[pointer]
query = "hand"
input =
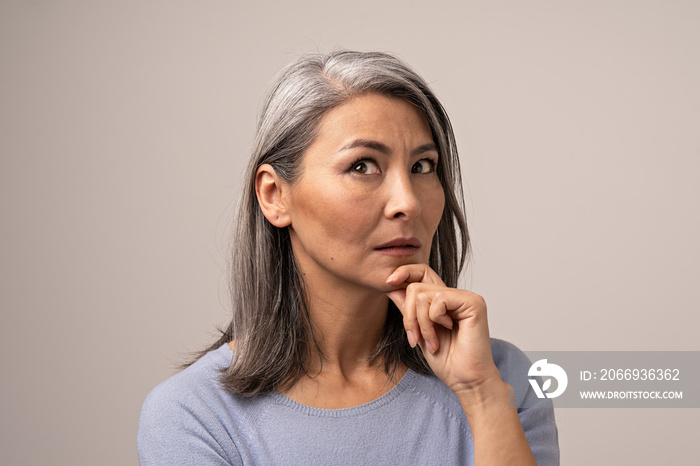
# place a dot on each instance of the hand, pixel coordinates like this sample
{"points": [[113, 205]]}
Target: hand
{"points": [[449, 324]]}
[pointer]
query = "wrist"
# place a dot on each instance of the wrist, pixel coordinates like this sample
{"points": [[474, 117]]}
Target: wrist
{"points": [[487, 396]]}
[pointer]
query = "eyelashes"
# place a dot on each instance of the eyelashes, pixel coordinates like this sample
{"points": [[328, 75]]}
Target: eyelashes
{"points": [[365, 166], [369, 166], [424, 166]]}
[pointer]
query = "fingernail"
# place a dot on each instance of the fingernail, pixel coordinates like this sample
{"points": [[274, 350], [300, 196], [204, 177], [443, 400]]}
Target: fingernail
{"points": [[391, 277], [429, 346], [411, 338]]}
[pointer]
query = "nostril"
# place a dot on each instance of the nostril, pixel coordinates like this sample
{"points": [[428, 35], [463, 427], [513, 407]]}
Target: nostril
{"points": [[405, 212], [403, 201]]}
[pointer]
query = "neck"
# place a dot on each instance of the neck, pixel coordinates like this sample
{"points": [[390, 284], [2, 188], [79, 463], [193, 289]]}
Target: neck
{"points": [[347, 324], [348, 321]]}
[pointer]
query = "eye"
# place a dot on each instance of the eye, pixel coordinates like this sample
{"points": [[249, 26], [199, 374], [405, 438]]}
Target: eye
{"points": [[423, 166], [365, 167]]}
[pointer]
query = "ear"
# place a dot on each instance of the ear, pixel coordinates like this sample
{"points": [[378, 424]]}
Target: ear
{"points": [[270, 190]]}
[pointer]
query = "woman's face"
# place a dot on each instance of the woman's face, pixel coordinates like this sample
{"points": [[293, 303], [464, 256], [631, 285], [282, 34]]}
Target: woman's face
{"points": [[368, 198]]}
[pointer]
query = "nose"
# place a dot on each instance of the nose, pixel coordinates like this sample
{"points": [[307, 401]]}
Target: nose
{"points": [[402, 201]]}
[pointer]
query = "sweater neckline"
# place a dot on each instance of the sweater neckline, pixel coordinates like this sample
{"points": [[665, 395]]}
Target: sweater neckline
{"points": [[278, 398]]}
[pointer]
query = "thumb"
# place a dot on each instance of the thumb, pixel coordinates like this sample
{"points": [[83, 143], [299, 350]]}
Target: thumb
{"points": [[398, 297]]}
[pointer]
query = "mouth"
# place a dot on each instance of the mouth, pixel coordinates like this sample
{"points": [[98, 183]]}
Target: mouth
{"points": [[399, 247]]}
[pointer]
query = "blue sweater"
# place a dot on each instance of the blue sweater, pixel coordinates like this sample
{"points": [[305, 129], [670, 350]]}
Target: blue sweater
{"points": [[190, 420]]}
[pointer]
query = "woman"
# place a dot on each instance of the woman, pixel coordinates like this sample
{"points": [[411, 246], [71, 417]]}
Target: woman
{"points": [[349, 343]]}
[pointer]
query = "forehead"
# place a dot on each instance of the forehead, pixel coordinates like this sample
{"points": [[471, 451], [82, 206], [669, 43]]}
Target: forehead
{"points": [[372, 115]]}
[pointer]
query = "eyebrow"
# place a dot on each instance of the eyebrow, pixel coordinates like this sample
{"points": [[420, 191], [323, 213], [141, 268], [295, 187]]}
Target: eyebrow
{"points": [[424, 148], [383, 148]]}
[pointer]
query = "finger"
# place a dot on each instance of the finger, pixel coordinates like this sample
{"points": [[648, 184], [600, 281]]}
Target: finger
{"points": [[457, 304], [438, 311], [463, 304], [410, 319], [398, 297], [412, 273], [427, 326]]}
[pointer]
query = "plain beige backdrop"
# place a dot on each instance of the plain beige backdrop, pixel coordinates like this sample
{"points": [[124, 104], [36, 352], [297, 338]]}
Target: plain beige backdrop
{"points": [[125, 127]]}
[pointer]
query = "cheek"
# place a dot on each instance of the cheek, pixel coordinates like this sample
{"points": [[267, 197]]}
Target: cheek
{"points": [[329, 214], [435, 207]]}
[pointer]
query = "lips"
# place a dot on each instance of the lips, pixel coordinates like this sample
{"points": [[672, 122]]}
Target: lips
{"points": [[400, 242], [399, 247]]}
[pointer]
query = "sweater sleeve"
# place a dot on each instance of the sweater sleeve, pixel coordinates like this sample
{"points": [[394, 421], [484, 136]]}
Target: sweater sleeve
{"points": [[536, 415], [179, 428]]}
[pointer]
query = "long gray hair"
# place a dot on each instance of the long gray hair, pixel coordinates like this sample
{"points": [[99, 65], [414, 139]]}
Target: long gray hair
{"points": [[271, 326]]}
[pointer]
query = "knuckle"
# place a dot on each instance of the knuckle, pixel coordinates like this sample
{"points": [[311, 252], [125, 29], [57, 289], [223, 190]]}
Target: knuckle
{"points": [[425, 321], [413, 288], [477, 299], [437, 311]]}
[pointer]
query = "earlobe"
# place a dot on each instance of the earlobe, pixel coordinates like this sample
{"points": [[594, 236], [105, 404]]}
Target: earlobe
{"points": [[270, 190]]}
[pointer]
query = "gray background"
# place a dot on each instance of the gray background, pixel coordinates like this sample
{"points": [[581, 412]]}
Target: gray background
{"points": [[125, 126]]}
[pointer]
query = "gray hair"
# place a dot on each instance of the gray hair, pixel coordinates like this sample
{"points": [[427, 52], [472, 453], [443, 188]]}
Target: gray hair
{"points": [[270, 325]]}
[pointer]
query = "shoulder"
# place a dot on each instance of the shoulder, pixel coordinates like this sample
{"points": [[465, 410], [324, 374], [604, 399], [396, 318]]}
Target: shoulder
{"points": [[536, 415], [195, 384], [505, 352], [179, 420], [513, 365]]}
